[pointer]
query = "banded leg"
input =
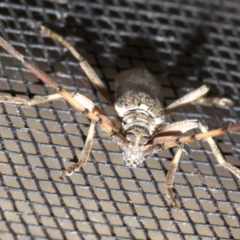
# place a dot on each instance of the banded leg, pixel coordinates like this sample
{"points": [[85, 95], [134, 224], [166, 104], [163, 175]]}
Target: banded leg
{"points": [[36, 100], [218, 155], [78, 101], [86, 67], [84, 155], [196, 96], [170, 178], [182, 127], [88, 104], [215, 100]]}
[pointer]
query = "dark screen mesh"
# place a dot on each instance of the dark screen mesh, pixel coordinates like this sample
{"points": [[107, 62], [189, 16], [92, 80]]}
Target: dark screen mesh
{"points": [[184, 44]]}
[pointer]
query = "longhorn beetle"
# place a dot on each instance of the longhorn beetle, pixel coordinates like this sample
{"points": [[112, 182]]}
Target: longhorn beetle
{"points": [[137, 103]]}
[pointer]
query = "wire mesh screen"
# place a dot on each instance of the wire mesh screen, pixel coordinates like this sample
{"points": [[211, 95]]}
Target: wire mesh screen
{"points": [[184, 44]]}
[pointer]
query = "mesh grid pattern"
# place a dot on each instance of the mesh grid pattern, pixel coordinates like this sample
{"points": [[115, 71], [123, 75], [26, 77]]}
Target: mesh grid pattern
{"points": [[184, 44]]}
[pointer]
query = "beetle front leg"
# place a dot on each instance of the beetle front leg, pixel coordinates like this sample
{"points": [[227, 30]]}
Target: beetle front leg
{"points": [[84, 155], [217, 153], [170, 178]]}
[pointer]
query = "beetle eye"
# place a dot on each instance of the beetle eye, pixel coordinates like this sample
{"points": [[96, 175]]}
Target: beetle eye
{"points": [[144, 140], [131, 137]]}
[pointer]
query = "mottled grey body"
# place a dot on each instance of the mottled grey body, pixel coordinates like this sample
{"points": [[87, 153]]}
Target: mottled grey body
{"points": [[138, 100], [138, 104]]}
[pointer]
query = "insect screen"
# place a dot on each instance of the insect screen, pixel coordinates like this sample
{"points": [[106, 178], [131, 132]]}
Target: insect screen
{"points": [[184, 44]]}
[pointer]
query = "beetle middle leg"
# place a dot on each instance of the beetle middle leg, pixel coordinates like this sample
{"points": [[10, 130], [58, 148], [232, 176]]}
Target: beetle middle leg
{"points": [[36, 100], [197, 96]]}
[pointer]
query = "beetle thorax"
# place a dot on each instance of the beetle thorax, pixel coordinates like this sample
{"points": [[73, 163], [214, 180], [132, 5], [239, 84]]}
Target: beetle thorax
{"points": [[140, 120]]}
